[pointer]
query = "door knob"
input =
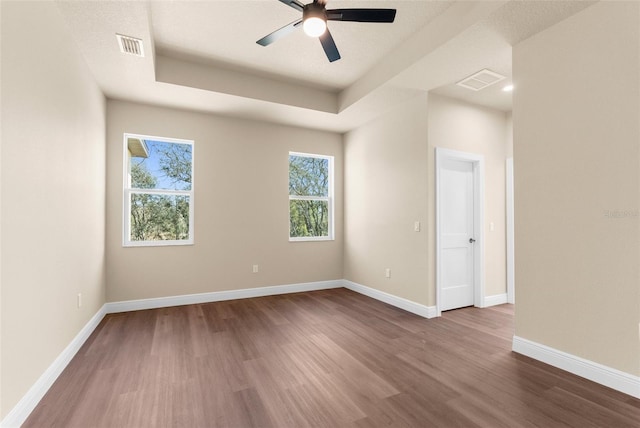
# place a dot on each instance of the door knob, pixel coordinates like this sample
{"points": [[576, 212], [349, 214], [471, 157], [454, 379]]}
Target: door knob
{"points": [[471, 240]]}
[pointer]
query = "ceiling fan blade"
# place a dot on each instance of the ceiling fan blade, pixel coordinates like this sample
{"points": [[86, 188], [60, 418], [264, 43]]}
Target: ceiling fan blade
{"points": [[268, 39], [361, 15], [329, 46], [294, 4]]}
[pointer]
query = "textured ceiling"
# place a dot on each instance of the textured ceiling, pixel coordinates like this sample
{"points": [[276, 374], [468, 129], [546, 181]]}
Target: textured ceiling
{"points": [[202, 55], [487, 44], [225, 33]]}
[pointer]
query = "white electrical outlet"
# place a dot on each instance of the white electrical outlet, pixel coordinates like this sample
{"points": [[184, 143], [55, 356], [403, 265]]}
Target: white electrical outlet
{"points": [[79, 300], [255, 268], [416, 226], [492, 226], [387, 273]]}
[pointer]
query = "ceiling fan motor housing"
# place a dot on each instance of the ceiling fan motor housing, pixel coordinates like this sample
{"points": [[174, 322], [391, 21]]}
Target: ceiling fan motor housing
{"points": [[314, 10]]}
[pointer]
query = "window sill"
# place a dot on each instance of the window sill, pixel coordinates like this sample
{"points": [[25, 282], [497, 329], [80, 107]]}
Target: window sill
{"points": [[139, 244], [312, 239]]}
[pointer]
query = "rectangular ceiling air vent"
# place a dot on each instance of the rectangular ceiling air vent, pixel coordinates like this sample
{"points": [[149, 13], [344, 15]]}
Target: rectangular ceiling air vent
{"points": [[481, 80], [130, 45]]}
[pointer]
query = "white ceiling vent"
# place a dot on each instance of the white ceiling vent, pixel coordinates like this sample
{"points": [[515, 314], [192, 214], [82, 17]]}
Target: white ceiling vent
{"points": [[481, 80], [130, 45]]}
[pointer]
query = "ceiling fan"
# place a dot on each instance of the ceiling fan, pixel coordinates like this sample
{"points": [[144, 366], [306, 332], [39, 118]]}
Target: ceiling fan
{"points": [[314, 22]]}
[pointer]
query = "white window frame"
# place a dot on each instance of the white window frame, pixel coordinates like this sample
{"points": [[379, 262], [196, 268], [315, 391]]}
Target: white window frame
{"points": [[128, 191], [328, 199]]}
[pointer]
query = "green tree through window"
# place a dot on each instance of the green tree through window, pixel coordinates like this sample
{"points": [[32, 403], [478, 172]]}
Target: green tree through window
{"points": [[310, 196], [158, 192]]}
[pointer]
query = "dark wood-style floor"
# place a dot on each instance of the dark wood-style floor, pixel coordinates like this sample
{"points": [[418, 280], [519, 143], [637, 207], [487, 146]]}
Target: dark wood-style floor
{"points": [[325, 359]]}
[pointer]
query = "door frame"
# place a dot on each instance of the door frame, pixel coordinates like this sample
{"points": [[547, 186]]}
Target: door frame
{"points": [[511, 235], [477, 162]]}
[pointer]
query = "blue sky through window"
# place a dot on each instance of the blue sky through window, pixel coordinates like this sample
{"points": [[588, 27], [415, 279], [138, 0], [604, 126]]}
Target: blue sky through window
{"points": [[160, 156]]}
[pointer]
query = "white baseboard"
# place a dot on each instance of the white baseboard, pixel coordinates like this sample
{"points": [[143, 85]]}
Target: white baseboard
{"points": [[218, 296], [30, 400], [607, 376], [496, 299], [399, 302]]}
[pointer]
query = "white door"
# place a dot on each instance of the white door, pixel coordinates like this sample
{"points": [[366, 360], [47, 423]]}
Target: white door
{"points": [[457, 235]]}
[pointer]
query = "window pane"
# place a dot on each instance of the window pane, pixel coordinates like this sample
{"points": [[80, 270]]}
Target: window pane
{"points": [[160, 165], [308, 176], [308, 218], [159, 217]]}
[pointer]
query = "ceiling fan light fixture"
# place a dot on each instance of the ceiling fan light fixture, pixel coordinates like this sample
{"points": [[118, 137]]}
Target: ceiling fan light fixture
{"points": [[314, 27], [314, 19]]}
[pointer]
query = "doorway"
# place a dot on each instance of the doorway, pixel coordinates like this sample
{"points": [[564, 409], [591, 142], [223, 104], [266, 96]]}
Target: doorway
{"points": [[459, 231]]}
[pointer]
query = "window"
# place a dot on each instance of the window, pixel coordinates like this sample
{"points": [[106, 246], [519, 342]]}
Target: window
{"points": [[158, 191], [310, 197]]}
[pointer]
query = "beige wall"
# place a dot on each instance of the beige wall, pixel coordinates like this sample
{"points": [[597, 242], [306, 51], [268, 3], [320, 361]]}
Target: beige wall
{"points": [[241, 207], [53, 127], [577, 155], [385, 192], [469, 128]]}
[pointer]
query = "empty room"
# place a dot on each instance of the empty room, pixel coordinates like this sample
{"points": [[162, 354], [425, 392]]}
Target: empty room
{"points": [[297, 213]]}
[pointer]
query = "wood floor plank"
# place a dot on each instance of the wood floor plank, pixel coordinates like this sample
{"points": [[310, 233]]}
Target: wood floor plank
{"points": [[331, 358]]}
